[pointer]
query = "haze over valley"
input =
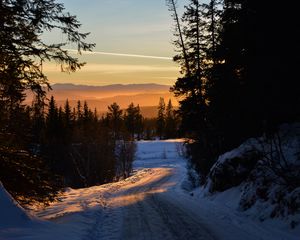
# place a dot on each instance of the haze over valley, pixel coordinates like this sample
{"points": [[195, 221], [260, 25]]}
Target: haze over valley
{"points": [[99, 97]]}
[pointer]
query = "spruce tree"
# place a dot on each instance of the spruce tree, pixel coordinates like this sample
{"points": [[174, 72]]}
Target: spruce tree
{"points": [[200, 31], [179, 43], [133, 120], [114, 118], [192, 85], [52, 118], [170, 129], [38, 120], [79, 112], [67, 115], [139, 122], [160, 121]]}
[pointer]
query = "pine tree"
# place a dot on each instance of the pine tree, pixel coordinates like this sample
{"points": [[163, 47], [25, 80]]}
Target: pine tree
{"points": [[192, 85], [95, 116], [38, 120], [129, 119], [179, 43], [160, 122], [114, 117], [67, 115], [87, 114], [200, 30], [170, 129], [139, 122], [133, 120], [52, 117], [79, 112]]}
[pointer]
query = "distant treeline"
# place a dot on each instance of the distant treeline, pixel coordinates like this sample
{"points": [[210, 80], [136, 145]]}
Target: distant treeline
{"points": [[130, 120]]}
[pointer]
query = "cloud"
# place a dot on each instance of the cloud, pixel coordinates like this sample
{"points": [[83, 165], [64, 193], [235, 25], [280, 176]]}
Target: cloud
{"points": [[121, 54]]}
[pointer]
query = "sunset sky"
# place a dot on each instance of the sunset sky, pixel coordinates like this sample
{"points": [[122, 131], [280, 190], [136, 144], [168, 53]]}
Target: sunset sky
{"points": [[128, 28]]}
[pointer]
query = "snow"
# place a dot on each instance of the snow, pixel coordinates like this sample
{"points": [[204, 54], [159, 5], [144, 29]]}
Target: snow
{"points": [[151, 204], [12, 214], [261, 194]]}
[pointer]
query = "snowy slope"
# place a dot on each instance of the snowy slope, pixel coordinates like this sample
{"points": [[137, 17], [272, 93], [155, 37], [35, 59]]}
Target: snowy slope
{"points": [[151, 204], [12, 214], [243, 179]]}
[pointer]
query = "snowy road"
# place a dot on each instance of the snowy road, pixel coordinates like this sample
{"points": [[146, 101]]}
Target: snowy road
{"points": [[154, 215], [143, 207], [151, 204]]}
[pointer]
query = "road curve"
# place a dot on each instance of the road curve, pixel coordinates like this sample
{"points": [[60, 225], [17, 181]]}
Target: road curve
{"points": [[154, 214], [146, 206]]}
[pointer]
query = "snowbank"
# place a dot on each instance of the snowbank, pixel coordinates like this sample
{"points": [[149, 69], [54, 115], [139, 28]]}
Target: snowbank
{"points": [[12, 214], [260, 178]]}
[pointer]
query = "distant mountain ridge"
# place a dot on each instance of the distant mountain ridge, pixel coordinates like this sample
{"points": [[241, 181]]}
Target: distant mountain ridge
{"points": [[113, 87], [147, 101]]}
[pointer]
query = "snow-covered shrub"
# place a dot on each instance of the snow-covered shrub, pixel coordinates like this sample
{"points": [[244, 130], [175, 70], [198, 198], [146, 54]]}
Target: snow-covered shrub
{"points": [[267, 171], [276, 177], [233, 168], [281, 155], [272, 200], [233, 171]]}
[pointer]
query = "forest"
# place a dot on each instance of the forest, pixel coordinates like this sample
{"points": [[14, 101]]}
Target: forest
{"points": [[239, 80]]}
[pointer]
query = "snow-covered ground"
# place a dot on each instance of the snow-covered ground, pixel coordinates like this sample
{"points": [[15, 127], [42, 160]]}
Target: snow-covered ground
{"points": [[151, 204]]}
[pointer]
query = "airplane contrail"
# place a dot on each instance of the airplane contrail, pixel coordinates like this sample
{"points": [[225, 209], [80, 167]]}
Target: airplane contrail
{"points": [[121, 54]]}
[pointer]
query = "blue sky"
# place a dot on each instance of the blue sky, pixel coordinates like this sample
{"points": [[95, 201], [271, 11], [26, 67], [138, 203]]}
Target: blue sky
{"points": [[142, 27]]}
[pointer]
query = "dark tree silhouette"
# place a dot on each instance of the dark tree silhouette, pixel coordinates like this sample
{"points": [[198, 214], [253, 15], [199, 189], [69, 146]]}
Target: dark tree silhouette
{"points": [[171, 123], [115, 119], [160, 122], [134, 121], [23, 52]]}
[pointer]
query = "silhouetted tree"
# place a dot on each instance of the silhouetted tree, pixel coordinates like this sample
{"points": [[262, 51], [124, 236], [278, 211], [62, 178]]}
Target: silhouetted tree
{"points": [[170, 128], [115, 120], [179, 43], [133, 120], [22, 54], [38, 120], [68, 118], [23, 50], [160, 122]]}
